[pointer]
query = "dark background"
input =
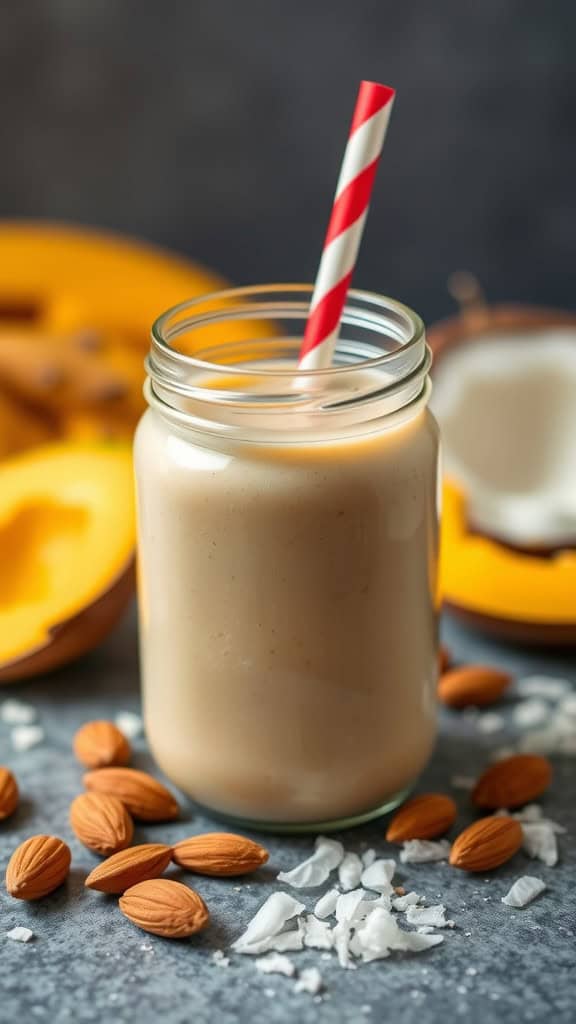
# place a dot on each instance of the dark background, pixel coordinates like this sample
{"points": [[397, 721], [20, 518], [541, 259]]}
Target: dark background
{"points": [[218, 127]]}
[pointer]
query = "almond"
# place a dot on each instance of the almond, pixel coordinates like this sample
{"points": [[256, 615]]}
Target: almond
{"points": [[472, 685], [39, 865], [101, 822], [8, 793], [486, 844], [423, 817], [165, 908], [128, 867], [219, 854], [101, 744], [512, 782], [145, 797], [444, 659]]}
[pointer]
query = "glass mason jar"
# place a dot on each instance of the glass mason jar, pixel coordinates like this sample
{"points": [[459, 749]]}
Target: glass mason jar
{"points": [[287, 554]]}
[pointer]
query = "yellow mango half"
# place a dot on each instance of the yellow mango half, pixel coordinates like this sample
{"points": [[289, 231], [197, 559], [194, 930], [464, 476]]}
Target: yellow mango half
{"points": [[57, 277], [67, 537], [514, 593]]}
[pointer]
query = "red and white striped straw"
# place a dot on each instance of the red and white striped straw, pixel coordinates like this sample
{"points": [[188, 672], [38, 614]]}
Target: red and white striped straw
{"points": [[365, 141]]}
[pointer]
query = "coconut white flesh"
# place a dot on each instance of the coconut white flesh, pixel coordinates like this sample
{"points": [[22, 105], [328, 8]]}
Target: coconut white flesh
{"points": [[507, 413]]}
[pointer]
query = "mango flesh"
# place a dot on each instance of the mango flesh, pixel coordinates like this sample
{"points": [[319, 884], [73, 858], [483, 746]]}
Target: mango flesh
{"points": [[59, 277], [67, 537], [489, 579]]}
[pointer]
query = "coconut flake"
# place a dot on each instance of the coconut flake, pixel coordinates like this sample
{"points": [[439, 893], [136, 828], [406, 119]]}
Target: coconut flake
{"points": [[417, 942], [317, 934], [263, 932], [368, 857], [402, 903], [20, 934], [376, 937], [24, 737], [327, 904], [378, 876], [533, 711], [380, 934], [567, 706], [543, 686], [350, 871], [424, 851], [490, 721], [314, 871], [533, 814], [310, 981], [524, 890], [275, 963], [564, 725], [462, 782], [425, 929], [346, 916], [539, 841], [17, 712], [218, 957], [366, 907], [501, 753], [290, 941], [434, 916], [347, 906], [129, 723]]}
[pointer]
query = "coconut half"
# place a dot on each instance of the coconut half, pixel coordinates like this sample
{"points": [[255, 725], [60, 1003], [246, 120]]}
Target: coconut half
{"points": [[505, 398], [506, 405]]}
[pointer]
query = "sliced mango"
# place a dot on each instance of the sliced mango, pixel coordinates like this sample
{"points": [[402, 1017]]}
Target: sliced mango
{"points": [[67, 537]]}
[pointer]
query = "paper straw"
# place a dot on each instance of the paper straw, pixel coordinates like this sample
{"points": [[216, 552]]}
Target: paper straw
{"points": [[365, 140]]}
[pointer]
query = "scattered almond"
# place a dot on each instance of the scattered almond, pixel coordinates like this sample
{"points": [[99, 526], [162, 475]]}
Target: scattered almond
{"points": [[101, 822], [165, 908], [37, 867], [101, 744], [424, 817], [8, 793], [145, 797], [475, 685], [514, 781], [219, 854], [444, 659], [128, 867], [486, 844]]}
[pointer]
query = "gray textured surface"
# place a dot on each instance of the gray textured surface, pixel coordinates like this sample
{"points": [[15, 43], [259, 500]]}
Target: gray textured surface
{"points": [[218, 128], [89, 964]]}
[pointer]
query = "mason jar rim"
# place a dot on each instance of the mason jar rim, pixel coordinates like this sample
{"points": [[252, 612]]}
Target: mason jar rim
{"points": [[375, 315]]}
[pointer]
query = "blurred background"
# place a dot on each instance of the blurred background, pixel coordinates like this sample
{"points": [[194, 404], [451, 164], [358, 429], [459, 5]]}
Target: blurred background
{"points": [[217, 129]]}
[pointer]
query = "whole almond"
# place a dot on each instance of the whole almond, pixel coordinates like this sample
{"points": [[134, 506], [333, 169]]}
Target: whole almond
{"points": [[166, 908], [512, 782], [8, 793], [37, 867], [101, 744], [101, 822], [220, 854], [475, 685], [423, 817], [145, 797], [486, 844], [128, 867]]}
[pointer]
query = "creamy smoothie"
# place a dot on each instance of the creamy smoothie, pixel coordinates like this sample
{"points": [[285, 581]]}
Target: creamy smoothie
{"points": [[288, 625]]}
